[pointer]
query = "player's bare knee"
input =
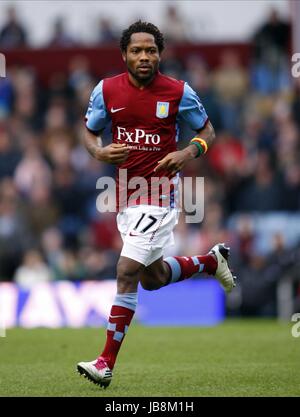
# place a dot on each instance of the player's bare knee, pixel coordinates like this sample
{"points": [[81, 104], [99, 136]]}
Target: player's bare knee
{"points": [[149, 286], [150, 282]]}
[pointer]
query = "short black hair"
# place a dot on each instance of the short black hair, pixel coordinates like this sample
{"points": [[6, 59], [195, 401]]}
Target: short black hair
{"points": [[138, 27]]}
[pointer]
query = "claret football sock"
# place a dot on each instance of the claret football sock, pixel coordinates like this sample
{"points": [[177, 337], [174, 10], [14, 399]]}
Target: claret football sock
{"points": [[119, 320], [182, 267]]}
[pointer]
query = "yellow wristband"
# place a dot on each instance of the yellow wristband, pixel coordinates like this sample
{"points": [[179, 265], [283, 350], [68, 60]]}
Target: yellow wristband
{"points": [[200, 142]]}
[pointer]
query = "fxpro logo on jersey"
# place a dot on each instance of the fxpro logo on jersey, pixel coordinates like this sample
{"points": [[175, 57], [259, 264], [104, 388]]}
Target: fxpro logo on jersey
{"points": [[137, 136]]}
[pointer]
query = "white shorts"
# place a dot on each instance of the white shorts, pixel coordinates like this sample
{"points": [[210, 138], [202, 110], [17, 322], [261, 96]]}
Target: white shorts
{"points": [[146, 231]]}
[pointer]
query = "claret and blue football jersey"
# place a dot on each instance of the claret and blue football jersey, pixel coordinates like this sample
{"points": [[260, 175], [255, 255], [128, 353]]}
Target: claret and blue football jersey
{"points": [[144, 119]]}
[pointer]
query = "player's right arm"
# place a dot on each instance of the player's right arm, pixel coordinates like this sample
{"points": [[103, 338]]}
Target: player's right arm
{"points": [[115, 153], [97, 118]]}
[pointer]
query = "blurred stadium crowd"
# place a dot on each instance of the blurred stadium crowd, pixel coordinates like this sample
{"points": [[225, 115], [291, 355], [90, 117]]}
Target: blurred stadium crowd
{"points": [[14, 33], [49, 225]]}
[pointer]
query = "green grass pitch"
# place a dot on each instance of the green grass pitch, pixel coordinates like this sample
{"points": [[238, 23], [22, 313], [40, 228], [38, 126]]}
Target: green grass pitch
{"points": [[236, 358]]}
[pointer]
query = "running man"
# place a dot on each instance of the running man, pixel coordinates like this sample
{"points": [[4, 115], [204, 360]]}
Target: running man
{"points": [[144, 107]]}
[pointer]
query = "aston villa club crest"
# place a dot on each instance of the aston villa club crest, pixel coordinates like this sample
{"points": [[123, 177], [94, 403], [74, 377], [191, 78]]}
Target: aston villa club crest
{"points": [[162, 109]]}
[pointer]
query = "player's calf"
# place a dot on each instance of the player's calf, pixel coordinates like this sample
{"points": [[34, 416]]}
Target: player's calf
{"points": [[128, 275], [214, 263], [183, 267]]}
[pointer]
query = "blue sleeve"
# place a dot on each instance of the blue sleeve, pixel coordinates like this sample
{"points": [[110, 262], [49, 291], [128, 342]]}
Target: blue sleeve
{"points": [[191, 109], [97, 116]]}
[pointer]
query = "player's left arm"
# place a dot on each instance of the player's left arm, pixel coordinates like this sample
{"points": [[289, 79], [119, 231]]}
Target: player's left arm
{"points": [[193, 112], [175, 161], [207, 133]]}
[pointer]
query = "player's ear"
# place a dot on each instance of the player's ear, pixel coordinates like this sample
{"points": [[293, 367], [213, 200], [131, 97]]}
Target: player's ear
{"points": [[124, 56]]}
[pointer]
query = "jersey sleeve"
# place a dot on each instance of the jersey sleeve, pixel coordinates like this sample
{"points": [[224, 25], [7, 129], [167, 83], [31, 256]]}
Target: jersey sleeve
{"points": [[191, 109], [97, 116]]}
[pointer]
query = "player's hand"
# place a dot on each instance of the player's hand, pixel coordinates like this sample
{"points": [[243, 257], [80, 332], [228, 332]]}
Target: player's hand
{"points": [[172, 163], [115, 153]]}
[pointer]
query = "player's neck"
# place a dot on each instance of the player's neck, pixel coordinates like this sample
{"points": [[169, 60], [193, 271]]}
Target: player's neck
{"points": [[139, 84]]}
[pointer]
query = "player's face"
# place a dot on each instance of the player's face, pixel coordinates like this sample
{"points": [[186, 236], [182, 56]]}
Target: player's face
{"points": [[142, 57]]}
